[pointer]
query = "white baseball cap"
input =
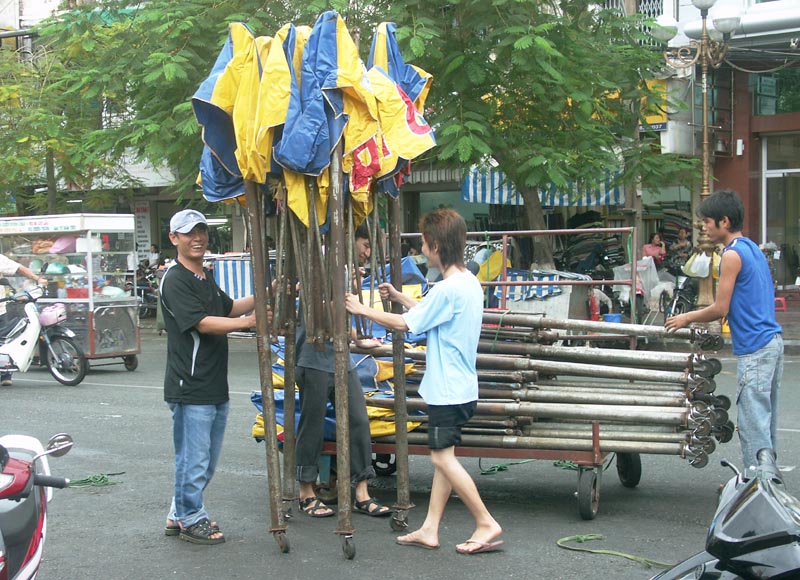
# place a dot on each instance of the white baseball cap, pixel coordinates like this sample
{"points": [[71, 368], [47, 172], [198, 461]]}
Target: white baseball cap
{"points": [[185, 220]]}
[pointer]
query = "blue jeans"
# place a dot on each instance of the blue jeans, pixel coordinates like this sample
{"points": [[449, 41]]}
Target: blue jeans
{"points": [[197, 432], [759, 375]]}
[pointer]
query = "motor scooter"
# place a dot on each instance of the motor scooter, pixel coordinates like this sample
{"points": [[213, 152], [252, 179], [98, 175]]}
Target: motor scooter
{"points": [[40, 333], [684, 298], [146, 289], [755, 532], [25, 490]]}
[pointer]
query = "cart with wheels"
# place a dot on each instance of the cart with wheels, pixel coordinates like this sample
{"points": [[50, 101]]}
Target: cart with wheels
{"points": [[86, 259]]}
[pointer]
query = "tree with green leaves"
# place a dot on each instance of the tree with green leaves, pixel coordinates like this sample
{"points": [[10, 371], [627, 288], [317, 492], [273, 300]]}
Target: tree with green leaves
{"points": [[551, 90], [144, 61]]}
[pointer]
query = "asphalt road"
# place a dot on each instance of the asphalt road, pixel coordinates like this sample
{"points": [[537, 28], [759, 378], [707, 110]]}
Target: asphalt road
{"points": [[122, 426]]}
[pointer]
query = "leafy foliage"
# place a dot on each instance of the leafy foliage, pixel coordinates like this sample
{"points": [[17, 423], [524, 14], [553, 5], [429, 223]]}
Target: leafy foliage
{"points": [[551, 89]]}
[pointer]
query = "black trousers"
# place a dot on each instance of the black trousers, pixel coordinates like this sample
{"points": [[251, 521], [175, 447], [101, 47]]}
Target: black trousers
{"points": [[316, 389]]}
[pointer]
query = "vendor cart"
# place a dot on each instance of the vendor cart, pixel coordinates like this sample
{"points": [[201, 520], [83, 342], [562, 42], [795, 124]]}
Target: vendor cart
{"points": [[86, 259]]}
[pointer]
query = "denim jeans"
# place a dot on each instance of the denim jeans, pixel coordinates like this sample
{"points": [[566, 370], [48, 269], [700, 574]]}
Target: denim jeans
{"points": [[197, 432], [759, 378]]}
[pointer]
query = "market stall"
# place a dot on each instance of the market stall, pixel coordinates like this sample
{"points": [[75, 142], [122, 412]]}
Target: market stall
{"points": [[87, 259]]}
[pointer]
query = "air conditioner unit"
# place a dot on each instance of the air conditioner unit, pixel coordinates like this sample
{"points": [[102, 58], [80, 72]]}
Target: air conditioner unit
{"points": [[678, 138]]}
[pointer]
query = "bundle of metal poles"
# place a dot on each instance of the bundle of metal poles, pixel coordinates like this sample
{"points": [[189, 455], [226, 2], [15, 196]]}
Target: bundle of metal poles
{"points": [[537, 396]]}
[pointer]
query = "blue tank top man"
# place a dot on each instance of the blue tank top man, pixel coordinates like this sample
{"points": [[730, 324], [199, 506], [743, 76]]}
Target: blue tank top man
{"points": [[745, 294]]}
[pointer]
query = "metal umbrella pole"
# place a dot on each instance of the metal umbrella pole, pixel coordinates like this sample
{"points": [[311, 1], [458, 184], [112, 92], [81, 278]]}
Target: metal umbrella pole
{"points": [[341, 351], [400, 519], [286, 296], [277, 523], [662, 360], [639, 330]]}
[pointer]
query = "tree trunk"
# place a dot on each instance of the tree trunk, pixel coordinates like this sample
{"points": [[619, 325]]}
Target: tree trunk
{"points": [[50, 172], [542, 245]]}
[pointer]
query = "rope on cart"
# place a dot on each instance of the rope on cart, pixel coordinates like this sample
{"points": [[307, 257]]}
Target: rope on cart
{"points": [[497, 468], [499, 326], [100, 480], [581, 538]]}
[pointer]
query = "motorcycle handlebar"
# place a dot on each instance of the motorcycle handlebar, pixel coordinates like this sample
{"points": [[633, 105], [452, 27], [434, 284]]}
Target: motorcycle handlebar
{"points": [[50, 481]]}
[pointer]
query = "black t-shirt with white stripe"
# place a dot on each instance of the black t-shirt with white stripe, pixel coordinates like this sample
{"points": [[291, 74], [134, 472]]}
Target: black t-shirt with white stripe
{"points": [[197, 364]]}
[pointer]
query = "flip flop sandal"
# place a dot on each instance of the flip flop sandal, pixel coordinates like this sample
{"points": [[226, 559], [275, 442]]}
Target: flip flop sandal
{"points": [[313, 507], [364, 508], [200, 533]]}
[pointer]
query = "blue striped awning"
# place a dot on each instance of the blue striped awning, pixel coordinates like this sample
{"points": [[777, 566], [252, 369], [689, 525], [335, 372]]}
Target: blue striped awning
{"points": [[234, 276], [493, 187]]}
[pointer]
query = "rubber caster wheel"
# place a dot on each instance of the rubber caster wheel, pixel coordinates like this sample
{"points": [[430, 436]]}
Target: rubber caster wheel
{"points": [[131, 362], [349, 547], [699, 461], [588, 494], [283, 542], [725, 432], [711, 342], [384, 464], [629, 469], [399, 521], [723, 401]]}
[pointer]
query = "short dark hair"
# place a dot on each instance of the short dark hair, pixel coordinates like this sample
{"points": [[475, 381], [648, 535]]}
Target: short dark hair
{"points": [[445, 231], [721, 204], [362, 231], [653, 236]]}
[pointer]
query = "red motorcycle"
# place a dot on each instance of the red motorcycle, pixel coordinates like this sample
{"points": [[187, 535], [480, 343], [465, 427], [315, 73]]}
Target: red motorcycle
{"points": [[25, 490]]}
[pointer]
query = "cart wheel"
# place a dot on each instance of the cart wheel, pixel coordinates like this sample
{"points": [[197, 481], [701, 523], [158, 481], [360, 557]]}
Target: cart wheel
{"points": [[629, 469], [708, 445], [283, 542], [131, 362], [711, 342], [399, 521], [349, 547], [719, 415], [700, 460], [286, 510], [385, 464], [723, 401], [716, 365], [725, 432], [588, 494]]}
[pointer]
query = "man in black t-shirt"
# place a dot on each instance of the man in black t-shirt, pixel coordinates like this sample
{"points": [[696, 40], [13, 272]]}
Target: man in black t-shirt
{"points": [[197, 316]]}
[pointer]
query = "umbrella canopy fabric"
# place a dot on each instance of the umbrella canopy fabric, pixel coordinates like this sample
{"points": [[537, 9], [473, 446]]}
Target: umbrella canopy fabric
{"points": [[279, 106]]}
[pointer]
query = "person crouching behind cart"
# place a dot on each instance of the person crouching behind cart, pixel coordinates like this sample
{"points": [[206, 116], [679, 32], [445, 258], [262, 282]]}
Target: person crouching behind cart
{"points": [[451, 314], [315, 381]]}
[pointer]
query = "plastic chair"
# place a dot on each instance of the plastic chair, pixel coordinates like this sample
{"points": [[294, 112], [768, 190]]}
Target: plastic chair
{"points": [[780, 304]]}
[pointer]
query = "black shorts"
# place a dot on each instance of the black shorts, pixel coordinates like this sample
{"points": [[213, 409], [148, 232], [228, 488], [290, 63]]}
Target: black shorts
{"points": [[445, 423]]}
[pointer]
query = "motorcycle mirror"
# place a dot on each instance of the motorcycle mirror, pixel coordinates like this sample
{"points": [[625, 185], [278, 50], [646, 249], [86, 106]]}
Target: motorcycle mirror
{"points": [[59, 444]]}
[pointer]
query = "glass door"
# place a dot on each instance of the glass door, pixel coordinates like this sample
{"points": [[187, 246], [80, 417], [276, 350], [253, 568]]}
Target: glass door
{"points": [[781, 215], [783, 227]]}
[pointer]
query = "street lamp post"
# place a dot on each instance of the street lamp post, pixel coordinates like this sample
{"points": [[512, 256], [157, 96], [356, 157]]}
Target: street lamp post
{"points": [[708, 51]]}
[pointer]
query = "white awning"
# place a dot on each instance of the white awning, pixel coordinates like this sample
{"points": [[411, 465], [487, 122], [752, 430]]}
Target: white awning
{"points": [[491, 186]]}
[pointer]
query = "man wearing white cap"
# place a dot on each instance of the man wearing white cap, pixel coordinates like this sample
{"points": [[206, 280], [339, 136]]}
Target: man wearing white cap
{"points": [[198, 315]]}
